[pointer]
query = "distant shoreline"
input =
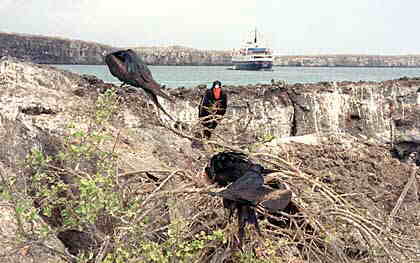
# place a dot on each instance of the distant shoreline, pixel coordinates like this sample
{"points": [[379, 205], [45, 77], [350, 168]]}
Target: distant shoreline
{"points": [[51, 50], [227, 66]]}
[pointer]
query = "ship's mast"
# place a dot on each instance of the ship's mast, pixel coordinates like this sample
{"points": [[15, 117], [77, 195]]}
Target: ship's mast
{"points": [[255, 37]]}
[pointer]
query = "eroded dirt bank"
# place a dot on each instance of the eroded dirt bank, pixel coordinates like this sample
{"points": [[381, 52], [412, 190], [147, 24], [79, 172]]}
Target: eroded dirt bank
{"points": [[344, 175]]}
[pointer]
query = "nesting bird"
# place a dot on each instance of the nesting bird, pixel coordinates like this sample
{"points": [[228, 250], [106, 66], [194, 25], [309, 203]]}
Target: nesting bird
{"points": [[247, 190], [130, 69]]}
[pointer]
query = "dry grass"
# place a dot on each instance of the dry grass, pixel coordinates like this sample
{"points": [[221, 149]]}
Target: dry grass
{"points": [[174, 211]]}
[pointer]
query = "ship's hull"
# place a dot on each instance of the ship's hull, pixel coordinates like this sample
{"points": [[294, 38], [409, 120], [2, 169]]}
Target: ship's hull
{"points": [[252, 65]]}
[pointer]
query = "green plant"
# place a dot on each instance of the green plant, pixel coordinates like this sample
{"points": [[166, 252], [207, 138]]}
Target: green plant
{"points": [[173, 249], [78, 185]]}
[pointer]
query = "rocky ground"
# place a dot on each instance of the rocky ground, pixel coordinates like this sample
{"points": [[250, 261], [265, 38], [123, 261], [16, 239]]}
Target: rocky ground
{"points": [[358, 202]]}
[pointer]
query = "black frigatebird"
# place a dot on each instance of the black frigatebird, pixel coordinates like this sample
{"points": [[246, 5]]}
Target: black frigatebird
{"points": [[226, 167], [130, 69], [248, 192]]}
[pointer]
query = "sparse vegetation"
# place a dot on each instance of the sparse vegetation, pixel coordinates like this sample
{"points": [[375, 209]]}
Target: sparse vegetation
{"points": [[75, 188]]}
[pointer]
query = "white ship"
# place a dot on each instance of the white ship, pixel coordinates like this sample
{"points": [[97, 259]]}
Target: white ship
{"points": [[252, 56]]}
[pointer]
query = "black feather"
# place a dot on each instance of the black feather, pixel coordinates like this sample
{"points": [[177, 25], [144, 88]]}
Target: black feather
{"points": [[245, 189], [130, 69]]}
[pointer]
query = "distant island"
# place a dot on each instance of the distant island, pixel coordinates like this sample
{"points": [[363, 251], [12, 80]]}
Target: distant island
{"points": [[53, 50]]}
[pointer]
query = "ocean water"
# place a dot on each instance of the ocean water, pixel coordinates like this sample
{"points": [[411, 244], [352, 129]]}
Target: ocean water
{"points": [[191, 76]]}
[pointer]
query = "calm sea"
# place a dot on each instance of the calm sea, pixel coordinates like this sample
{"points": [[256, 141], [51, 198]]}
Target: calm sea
{"points": [[191, 76]]}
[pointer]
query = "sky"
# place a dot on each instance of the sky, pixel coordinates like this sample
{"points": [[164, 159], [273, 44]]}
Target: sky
{"points": [[295, 27]]}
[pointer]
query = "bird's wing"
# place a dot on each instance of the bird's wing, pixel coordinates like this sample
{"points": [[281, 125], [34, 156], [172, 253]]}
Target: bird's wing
{"points": [[131, 63], [250, 180], [127, 65], [141, 66], [276, 200], [225, 193], [139, 74], [146, 76], [116, 67], [245, 188]]}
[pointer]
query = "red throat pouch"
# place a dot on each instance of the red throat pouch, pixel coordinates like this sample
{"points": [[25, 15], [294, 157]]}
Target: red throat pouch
{"points": [[217, 93]]}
